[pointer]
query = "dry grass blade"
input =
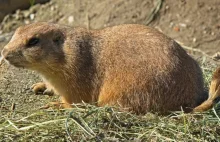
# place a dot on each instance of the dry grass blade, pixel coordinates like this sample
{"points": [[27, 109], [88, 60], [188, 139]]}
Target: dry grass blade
{"points": [[193, 49], [154, 11], [89, 123]]}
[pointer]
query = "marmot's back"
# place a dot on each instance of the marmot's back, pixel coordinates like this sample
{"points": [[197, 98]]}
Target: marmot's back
{"points": [[146, 71]]}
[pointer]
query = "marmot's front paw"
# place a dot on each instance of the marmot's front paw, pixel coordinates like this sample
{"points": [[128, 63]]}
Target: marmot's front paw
{"points": [[41, 88], [38, 88], [48, 92]]}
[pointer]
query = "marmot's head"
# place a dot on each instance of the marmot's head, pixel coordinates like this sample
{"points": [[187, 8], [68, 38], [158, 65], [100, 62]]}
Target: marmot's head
{"points": [[35, 46]]}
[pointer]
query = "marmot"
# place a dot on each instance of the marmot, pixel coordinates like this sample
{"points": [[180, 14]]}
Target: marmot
{"points": [[131, 66]]}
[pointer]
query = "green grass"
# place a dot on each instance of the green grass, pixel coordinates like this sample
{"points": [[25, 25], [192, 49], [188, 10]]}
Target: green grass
{"points": [[32, 2]]}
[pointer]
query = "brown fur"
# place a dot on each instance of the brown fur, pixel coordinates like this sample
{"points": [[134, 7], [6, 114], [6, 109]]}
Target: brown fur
{"points": [[131, 66], [214, 92]]}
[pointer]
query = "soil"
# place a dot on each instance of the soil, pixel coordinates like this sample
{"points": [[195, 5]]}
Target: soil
{"points": [[8, 6], [194, 23]]}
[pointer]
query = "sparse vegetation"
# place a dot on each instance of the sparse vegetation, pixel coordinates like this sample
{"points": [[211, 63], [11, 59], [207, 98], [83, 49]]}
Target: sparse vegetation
{"points": [[89, 123]]}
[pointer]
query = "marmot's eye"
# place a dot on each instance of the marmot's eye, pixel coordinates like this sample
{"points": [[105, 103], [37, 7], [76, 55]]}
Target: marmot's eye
{"points": [[33, 41]]}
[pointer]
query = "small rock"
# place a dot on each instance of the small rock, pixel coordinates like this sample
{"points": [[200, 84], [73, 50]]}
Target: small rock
{"points": [[182, 25], [70, 19], [52, 8], [177, 29], [32, 16], [171, 24], [216, 56], [26, 22], [194, 39]]}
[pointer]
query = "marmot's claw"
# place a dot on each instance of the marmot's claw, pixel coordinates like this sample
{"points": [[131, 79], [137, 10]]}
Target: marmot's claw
{"points": [[48, 92], [38, 88]]}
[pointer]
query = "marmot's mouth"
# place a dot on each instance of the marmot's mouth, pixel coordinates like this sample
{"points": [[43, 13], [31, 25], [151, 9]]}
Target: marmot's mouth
{"points": [[18, 66], [12, 62]]}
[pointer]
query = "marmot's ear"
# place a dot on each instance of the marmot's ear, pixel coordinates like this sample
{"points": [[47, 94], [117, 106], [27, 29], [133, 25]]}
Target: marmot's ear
{"points": [[58, 37]]}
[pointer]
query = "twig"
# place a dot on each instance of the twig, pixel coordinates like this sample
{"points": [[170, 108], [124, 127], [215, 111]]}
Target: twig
{"points": [[32, 126], [193, 49]]}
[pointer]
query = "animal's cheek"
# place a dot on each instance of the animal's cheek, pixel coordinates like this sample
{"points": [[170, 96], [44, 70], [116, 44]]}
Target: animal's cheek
{"points": [[32, 55]]}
